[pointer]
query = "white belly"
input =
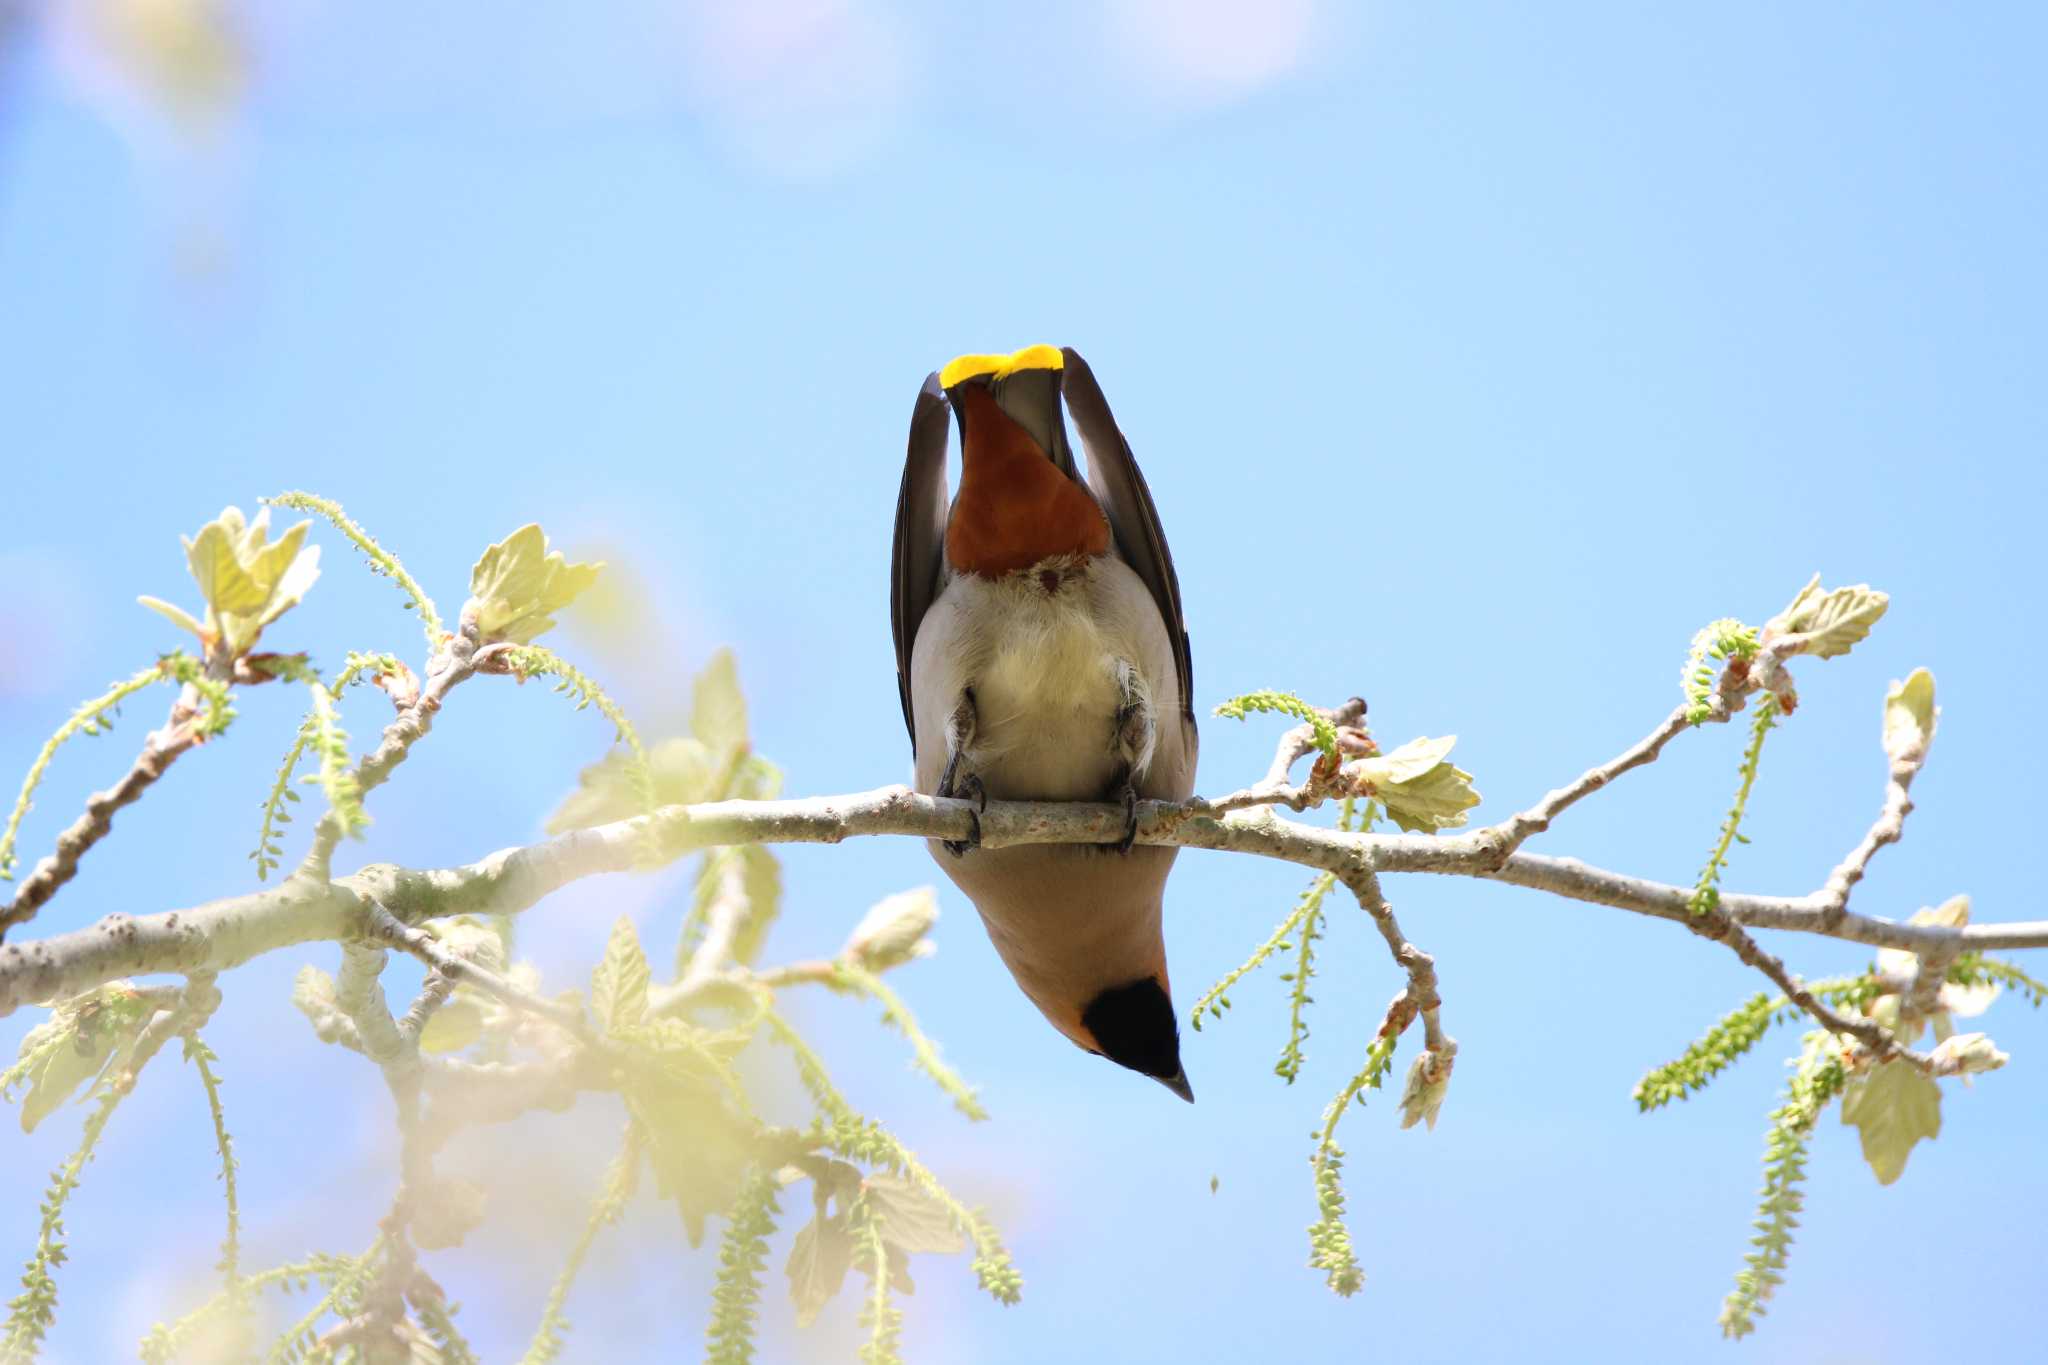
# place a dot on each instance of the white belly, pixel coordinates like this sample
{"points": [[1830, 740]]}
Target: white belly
{"points": [[1049, 673]]}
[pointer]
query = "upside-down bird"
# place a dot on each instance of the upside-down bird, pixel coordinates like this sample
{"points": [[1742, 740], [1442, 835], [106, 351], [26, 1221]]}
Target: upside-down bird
{"points": [[1041, 656]]}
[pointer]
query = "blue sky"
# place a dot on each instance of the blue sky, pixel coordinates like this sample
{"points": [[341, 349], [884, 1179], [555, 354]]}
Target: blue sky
{"points": [[1476, 356]]}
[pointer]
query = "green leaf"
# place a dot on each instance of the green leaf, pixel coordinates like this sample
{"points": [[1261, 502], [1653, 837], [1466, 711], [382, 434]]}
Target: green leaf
{"points": [[1909, 717], [518, 584], [618, 988], [818, 1262], [453, 1027], [681, 769], [1410, 761], [1421, 791], [74, 1045], [1894, 1106], [1825, 622], [177, 616], [246, 579], [212, 555], [698, 1152], [294, 582], [912, 1220], [718, 711]]}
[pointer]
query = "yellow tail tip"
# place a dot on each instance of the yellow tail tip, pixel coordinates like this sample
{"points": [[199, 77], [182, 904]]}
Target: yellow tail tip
{"points": [[1000, 366]]}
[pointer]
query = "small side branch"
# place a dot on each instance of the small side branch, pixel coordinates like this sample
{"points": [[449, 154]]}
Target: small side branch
{"points": [[457, 661], [1868, 1032], [186, 726], [1888, 829], [388, 928], [1277, 788], [1431, 1075], [1511, 833]]}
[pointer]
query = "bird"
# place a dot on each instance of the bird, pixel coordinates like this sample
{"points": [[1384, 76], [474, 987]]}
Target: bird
{"points": [[1042, 655]]}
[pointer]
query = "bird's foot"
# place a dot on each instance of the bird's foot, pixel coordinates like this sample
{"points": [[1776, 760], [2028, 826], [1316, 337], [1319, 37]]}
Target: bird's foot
{"points": [[965, 788], [1129, 797]]}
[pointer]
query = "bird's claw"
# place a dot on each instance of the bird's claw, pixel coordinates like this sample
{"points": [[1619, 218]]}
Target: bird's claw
{"points": [[1130, 797], [966, 788]]}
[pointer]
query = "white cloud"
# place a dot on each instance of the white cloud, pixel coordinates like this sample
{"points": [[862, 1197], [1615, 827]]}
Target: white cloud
{"points": [[797, 87], [1208, 52]]}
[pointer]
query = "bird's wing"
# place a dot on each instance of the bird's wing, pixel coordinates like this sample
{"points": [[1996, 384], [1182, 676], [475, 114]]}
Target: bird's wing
{"points": [[1120, 488], [920, 532]]}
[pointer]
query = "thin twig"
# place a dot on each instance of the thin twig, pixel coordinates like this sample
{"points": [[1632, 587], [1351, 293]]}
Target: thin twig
{"points": [[1517, 829], [388, 928], [456, 662], [1874, 1036], [1889, 827], [183, 728]]}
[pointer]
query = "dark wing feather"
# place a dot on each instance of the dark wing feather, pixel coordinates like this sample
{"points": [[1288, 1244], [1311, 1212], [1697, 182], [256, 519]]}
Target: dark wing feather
{"points": [[920, 532], [1120, 488]]}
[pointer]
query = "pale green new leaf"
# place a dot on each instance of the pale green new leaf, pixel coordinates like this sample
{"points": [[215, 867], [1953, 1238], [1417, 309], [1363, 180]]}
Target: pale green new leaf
{"points": [[618, 988], [1406, 763], [718, 711], [1421, 791], [817, 1266], [698, 1151], [1909, 717], [214, 558], [1893, 1107], [176, 615], [518, 584], [1826, 622], [681, 769], [453, 1027], [912, 1220], [73, 1046], [246, 579]]}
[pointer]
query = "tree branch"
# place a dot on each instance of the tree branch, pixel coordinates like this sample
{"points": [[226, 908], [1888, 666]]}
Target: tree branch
{"points": [[227, 933], [182, 729]]}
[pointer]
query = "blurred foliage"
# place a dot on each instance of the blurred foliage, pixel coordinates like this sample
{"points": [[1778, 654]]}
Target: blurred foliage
{"points": [[681, 1053], [667, 1051]]}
